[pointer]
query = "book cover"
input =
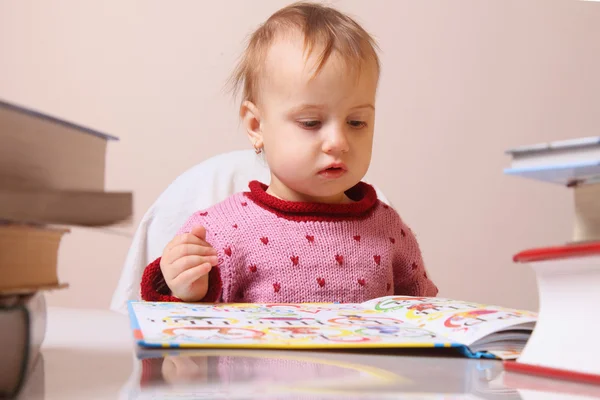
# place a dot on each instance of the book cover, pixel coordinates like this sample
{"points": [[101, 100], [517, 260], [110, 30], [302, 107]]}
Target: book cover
{"points": [[32, 114], [557, 145]]}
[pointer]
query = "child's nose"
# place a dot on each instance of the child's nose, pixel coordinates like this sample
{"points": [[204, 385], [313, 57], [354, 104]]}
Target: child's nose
{"points": [[335, 140]]}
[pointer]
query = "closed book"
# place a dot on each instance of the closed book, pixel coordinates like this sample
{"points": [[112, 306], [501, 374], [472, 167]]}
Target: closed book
{"points": [[75, 208], [562, 344], [41, 151], [52, 171], [29, 258]]}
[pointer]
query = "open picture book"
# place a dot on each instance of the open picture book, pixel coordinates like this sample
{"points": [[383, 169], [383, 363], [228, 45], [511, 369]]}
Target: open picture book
{"points": [[477, 330]]}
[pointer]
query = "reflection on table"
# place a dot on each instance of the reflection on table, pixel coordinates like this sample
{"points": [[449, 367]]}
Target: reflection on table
{"points": [[315, 375]]}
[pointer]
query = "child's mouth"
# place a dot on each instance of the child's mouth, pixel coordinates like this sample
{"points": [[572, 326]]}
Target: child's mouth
{"points": [[332, 172]]}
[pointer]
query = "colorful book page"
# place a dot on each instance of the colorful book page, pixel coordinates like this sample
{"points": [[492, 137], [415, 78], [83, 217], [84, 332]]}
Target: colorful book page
{"points": [[460, 321], [275, 326]]}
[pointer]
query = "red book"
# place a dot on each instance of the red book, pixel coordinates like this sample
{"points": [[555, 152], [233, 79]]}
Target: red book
{"points": [[564, 343]]}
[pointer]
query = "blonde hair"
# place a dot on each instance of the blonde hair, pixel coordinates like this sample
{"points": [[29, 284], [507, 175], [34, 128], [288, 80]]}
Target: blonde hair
{"points": [[321, 26]]}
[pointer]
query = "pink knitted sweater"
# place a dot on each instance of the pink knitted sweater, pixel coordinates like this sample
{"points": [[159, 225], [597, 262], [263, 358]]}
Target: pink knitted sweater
{"points": [[272, 250]]}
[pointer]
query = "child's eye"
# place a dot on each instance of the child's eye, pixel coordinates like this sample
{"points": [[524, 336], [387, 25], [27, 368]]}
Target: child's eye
{"points": [[357, 124], [310, 124]]}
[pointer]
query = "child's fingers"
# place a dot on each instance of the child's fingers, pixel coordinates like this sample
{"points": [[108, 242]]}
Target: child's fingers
{"points": [[191, 238], [199, 231], [189, 276], [188, 262], [186, 238], [187, 249]]}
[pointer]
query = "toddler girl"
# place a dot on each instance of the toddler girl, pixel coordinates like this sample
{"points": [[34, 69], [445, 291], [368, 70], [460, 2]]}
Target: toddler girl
{"points": [[317, 233]]}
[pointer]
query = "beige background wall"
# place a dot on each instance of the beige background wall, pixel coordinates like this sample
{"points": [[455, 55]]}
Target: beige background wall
{"points": [[462, 81]]}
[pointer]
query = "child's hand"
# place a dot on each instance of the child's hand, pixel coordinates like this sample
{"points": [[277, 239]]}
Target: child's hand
{"points": [[186, 262], [185, 369]]}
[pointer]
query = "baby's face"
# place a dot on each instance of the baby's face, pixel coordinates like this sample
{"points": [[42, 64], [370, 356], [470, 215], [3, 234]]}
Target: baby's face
{"points": [[311, 123]]}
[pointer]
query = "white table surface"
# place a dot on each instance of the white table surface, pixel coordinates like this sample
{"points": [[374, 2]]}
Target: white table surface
{"points": [[90, 354]]}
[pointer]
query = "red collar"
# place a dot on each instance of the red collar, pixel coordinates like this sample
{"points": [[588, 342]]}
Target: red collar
{"points": [[363, 194]]}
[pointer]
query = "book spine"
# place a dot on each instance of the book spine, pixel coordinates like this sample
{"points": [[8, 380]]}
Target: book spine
{"points": [[26, 319], [587, 212]]}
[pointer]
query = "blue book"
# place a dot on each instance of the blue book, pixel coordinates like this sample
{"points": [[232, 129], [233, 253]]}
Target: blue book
{"points": [[566, 162], [584, 172]]}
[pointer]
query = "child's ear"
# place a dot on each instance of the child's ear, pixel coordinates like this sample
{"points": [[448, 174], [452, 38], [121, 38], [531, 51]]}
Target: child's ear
{"points": [[251, 119]]}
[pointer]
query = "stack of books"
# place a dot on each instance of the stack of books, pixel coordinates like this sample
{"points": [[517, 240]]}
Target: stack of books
{"points": [[52, 176], [568, 274]]}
